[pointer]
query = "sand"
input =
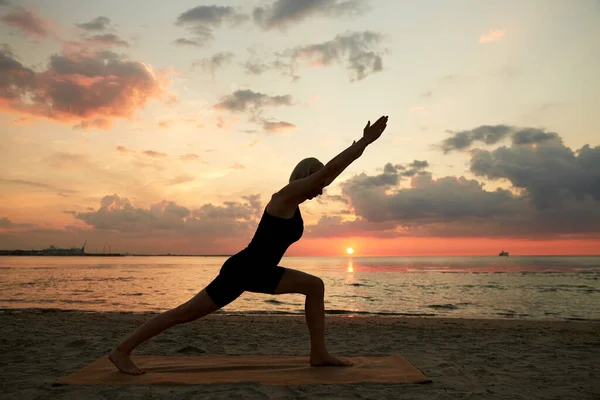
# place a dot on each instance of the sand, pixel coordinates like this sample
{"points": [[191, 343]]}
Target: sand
{"points": [[465, 358]]}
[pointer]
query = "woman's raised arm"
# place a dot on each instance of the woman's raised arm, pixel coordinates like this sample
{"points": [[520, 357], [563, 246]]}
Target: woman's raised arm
{"points": [[301, 189]]}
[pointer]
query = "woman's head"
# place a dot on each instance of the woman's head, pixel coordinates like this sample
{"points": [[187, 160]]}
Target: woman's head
{"points": [[305, 168]]}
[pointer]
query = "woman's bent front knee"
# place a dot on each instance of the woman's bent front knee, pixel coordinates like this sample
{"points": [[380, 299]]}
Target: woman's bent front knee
{"points": [[316, 287]]}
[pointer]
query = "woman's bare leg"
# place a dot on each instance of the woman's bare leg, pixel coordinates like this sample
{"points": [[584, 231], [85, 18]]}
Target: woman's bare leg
{"points": [[294, 281], [197, 307]]}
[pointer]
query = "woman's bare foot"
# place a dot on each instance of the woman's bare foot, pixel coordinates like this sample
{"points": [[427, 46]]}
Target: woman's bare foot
{"points": [[123, 362], [328, 360]]}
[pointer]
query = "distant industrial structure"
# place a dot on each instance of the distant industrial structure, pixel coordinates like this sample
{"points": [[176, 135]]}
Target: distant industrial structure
{"points": [[57, 251]]}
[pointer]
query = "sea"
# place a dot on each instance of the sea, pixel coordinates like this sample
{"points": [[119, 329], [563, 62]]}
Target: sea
{"points": [[515, 287]]}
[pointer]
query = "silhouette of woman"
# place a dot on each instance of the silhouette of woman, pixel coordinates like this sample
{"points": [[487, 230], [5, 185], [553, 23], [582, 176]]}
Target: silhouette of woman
{"points": [[255, 268]]}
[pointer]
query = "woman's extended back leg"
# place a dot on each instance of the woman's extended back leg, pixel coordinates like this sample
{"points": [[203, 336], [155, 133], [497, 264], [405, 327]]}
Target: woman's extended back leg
{"points": [[198, 306]]}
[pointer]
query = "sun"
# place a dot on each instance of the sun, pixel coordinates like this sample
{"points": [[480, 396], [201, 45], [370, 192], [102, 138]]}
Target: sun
{"points": [[349, 250]]}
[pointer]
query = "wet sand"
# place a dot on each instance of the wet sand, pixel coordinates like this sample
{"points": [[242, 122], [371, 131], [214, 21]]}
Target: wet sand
{"points": [[465, 358]]}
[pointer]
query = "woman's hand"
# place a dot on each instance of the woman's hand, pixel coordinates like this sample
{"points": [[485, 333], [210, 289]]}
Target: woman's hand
{"points": [[372, 132]]}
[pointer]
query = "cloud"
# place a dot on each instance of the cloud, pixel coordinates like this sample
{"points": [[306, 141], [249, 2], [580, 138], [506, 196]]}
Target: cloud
{"points": [[217, 61], [286, 12], [189, 157], [165, 124], [493, 134], [97, 24], [237, 166], [201, 21], [213, 16], [28, 22], [120, 215], [278, 126], [38, 185], [82, 86], [256, 67], [357, 50], [63, 160], [493, 35], [391, 175], [107, 40], [247, 100], [555, 192], [100, 123], [154, 154], [488, 134], [188, 42], [180, 179], [549, 173], [254, 103]]}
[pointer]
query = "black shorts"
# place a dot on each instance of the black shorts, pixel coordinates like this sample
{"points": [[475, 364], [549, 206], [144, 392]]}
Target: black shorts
{"points": [[237, 277]]}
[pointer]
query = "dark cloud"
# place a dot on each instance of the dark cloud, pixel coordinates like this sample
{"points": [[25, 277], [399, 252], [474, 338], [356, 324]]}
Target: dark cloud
{"points": [[213, 16], [97, 24], [107, 39], [87, 87], [189, 42], [286, 12], [357, 50], [254, 103], [201, 21], [391, 175], [256, 67], [555, 192], [493, 134], [211, 65], [27, 22], [549, 173], [488, 134], [534, 136], [247, 100]]}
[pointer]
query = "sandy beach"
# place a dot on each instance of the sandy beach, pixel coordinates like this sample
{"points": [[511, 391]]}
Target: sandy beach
{"points": [[465, 358]]}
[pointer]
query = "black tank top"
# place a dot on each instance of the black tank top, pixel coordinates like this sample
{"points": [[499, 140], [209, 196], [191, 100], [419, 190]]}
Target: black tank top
{"points": [[272, 238]]}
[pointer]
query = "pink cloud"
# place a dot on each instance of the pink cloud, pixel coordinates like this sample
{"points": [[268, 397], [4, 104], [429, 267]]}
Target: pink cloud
{"points": [[28, 22], [93, 88], [493, 35]]}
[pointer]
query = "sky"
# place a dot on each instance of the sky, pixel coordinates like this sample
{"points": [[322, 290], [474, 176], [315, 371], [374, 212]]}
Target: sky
{"points": [[165, 127]]}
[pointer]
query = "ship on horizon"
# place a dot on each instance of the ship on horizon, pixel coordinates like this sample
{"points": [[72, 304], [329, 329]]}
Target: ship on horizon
{"points": [[503, 253]]}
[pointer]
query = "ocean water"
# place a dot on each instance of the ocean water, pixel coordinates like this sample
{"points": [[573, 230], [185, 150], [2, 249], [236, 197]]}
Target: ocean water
{"points": [[471, 287]]}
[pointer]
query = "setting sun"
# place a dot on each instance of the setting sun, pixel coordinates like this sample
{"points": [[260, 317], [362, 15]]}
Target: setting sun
{"points": [[349, 250]]}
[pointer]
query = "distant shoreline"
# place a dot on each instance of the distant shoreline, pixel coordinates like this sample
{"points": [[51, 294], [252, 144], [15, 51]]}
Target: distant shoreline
{"points": [[20, 253], [9, 254]]}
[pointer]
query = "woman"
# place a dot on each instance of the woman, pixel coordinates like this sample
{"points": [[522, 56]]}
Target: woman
{"points": [[255, 268]]}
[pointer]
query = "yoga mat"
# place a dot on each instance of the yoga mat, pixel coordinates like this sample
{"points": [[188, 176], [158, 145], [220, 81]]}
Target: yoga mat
{"points": [[267, 370]]}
